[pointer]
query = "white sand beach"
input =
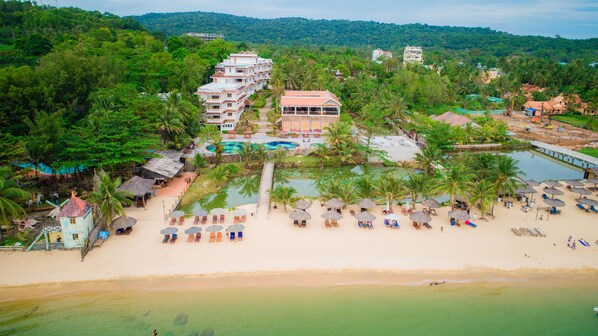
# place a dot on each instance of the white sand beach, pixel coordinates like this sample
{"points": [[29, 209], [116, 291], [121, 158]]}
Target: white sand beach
{"points": [[276, 246]]}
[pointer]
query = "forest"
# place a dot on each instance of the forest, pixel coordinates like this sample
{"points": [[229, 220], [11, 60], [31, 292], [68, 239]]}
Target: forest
{"points": [[458, 41]]}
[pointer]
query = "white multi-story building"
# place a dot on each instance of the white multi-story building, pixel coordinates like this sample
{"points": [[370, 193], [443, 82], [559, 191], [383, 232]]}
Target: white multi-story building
{"points": [[376, 54], [236, 78], [413, 55], [207, 37]]}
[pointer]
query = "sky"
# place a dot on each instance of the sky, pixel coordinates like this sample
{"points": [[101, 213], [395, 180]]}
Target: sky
{"points": [[567, 18]]}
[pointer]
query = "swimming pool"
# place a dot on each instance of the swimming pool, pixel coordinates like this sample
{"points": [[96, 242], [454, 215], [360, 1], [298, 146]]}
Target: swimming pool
{"points": [[42, 168], [232, 147]]}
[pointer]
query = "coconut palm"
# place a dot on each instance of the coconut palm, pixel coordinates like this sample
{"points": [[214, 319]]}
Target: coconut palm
{"points": [[108, 198], [347, 193], [346, 153], [428, 158], [261, 153], [390, 187], [279, 154], [331, 189], [482, 194], [505, 176], [365, 186], [219, 175], [246, 152], [483, 165], [169, 123], [416, 185], [322, 153], [336, 134], [218, 149], [453, 181], [199, 161], [283, 195], [10, 195]]}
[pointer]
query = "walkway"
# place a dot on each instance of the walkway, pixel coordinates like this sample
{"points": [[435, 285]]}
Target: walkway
{"points": [[567, 155], [263, 201], [264, 124]]}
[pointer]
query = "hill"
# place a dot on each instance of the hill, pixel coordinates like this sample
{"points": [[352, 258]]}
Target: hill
{"points": [[300, 31]]}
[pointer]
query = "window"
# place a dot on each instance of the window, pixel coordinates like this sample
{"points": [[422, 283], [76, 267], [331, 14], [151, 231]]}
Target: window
{"points": [[229, 95], [229, 105], [215, 97], [75, 236], [73, 220]]}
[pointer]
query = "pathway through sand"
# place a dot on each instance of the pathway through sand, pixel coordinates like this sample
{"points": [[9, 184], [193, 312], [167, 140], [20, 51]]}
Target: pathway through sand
{"points": [[263, 202]]}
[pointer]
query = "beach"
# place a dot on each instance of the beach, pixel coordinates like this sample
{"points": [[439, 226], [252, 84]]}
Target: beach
{"points": [[273, 245]]}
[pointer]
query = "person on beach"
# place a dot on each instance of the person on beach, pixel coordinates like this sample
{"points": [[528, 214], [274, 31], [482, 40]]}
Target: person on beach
{"points": [[155, 333], [475, 215], [441, 229]]}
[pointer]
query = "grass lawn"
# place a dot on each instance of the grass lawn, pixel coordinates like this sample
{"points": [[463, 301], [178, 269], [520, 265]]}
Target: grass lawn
{"points": [[589, 151], [571, 119], [201, 187]]}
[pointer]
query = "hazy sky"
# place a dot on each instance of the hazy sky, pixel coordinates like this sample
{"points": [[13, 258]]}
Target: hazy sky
{"points": [[568, 18]]}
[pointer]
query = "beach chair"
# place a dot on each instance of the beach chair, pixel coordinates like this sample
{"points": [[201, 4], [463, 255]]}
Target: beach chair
{"points": [[544, 196], [387, 222], [221, 219], [593, 209], [453, 222], [427, 225], [404, 211], [174, 238], [327, 224], [214, 219], [303, 223], [128, 230], [410, 211], [118, 232], [433, 212], [191, 238], [540, 232], [197, 237], [516, 232], [334, 223], [582, 242], [172, 221], [204, 219], [472, 224], [352, 212], [212, 237], [181, 220], [219, 237], [295, 222], [524, 231], [196, 220], [236, 220], [243, 218], [231, 236], [240, 235], [416, 226], [581, 207], [166, 239]]}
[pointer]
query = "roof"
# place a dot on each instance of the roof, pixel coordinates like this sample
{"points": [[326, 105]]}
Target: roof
{"points": [[309, 98], [137, 185], [539, 105], [75, 207], [170, 154], [452, 119], [219, 87], [168, 165]]}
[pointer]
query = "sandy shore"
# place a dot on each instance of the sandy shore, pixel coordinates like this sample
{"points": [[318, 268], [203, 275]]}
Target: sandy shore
{"points": [[275, 246]]}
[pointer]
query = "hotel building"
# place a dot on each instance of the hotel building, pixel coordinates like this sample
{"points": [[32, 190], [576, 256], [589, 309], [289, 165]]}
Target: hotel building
{"points": [[413, 55], [308, 112]]}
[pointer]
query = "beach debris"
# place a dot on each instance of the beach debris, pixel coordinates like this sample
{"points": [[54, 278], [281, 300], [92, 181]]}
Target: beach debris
{"points": [[129, 318], [437, 283], [181, 319], [147, 313], [208, 332]]}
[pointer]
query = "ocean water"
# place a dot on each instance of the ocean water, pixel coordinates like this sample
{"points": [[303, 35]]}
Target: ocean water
{"points": [[449, 309]]}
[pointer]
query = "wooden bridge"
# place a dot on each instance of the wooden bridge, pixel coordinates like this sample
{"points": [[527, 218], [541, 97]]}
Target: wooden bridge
{"points": [[566, 155]]}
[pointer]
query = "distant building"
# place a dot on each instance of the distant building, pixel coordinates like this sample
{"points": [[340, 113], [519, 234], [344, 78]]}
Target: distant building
{"points": [[76, 222], [413, 55], [491, 74], [376, 54], [236, 78], [308, 112], [207, 37]]}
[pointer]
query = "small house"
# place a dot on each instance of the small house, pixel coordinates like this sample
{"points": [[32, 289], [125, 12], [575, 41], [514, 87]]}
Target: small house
{"points": [[76, 222]]}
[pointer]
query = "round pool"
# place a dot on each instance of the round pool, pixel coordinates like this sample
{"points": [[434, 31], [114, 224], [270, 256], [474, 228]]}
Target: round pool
{"points": [[233, 147]]}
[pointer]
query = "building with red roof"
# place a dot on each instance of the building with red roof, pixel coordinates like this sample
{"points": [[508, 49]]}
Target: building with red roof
{"points": [[76, 222], [308, 112]]}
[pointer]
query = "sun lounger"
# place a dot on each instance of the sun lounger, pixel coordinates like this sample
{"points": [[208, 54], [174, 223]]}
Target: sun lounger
{"points": [[181, 220], [221, 219], [410, 211], [582, 242], [327, 224], [196, 220], [204, 219], [433, 212], [404, 211], [468, 222], [544, 196], [581, 207], [240, 235], [174, 238], [540, 232], [416, 226], [236, 220], [352, 212], [197, 237], [219, 237], [533, 233], [334, 223], [172, 221], [119, 232], [453, 222], [212, 237], [593, 209], [214, 219], [166, 239], [516, 232], [524, 232], [303, 223], [387, 222], [295, 222], [191, 238], [231, 236], [128, 230], [427, 225], [243, 218]]}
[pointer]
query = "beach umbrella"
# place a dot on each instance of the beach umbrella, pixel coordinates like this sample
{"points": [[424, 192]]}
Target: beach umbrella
{"points": [[365, 217], [552, 191], [193, 230], [431, 203], [574, 183], [532, 183], [420, 217], [177, 214], [199, 212], [366, 203], [587, 201], [335, 203], [460, 198], [302, 204], [299, 215], [581, 191], [458, 214], [553, 184], [214, 228], [169, 231], [392, 217], [219, 211], [123, 222], [239, 212], [593, 181], [236, 228], [554, 203], [525, 190], [331, 214]]}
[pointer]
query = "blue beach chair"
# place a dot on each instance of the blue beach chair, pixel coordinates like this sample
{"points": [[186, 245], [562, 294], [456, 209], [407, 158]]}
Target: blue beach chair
{"points": [[240, 235], [593, 209], [232, 236]]}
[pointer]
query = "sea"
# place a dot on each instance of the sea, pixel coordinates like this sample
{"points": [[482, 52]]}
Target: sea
{"points": [[451, 308]]}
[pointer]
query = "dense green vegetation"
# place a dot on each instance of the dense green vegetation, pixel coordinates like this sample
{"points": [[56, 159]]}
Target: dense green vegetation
{"points": [[299, 31], [578, 120], [589, 151]]}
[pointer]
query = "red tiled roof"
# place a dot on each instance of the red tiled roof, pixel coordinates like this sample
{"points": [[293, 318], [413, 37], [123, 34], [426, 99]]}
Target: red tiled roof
{"points": [[218, 73], [309, 98], [75, 207]]}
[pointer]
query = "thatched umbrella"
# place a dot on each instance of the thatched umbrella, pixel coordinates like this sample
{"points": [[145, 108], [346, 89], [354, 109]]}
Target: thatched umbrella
{"points": [[553, 203], [458, 214], [214, 228], [593, 181], [302, 204], [526, 189], [365, 217], [331, 214], [177, 214], [236, 228], [587, 201], [420, 217], [532, 183], [574, 183], [299, 215], [169, 231], [581, 191], [193, 230], [431, 203], [366, 203], [219, 211], [553, 184], [553, 191], [199, 212], [123, 222], [335, 203]]}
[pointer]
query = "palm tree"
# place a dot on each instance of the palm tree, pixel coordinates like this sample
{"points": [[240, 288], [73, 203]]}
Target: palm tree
{"points": [[322, 153], [483, 165], [337, 134], [280, 153], [482, 194], [198, 162], [246, 152], [397, 107], [390, 187], [261, 153], [347, 193], [108, 198], [10, 194], [417, 184], [505, 177], [283, 195], [331, 189], [453, 181], [428, 158], [346, 153], [219, 175], [218, 148], [169, 124], [365, 186]]}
